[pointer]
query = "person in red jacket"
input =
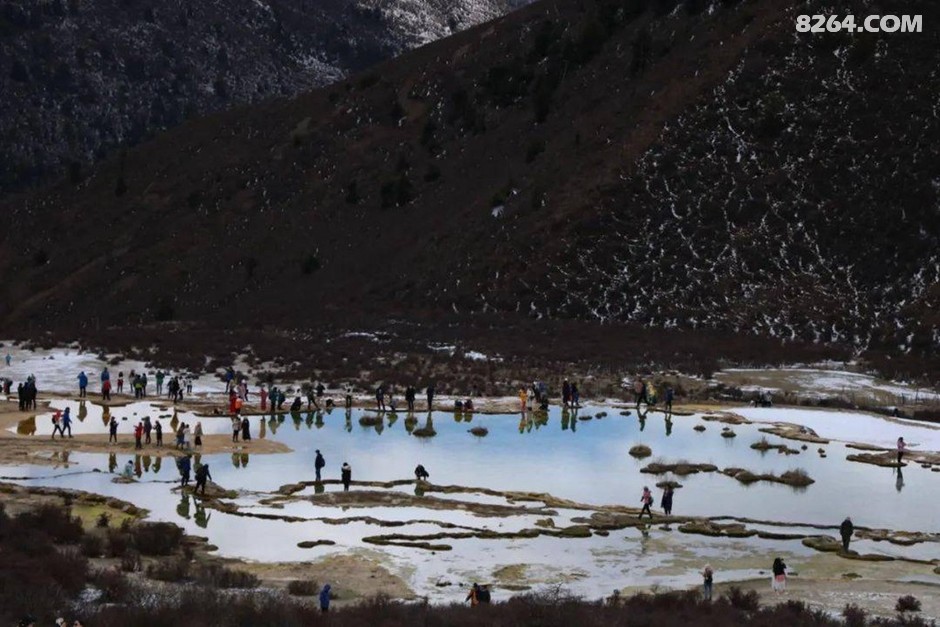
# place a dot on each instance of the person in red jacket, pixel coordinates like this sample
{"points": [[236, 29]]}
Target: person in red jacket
{"points": [[138, 434]]}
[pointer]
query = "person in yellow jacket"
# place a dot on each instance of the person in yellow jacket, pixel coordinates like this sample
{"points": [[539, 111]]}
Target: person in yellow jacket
{"points": [[473, 595], [523, 398]]}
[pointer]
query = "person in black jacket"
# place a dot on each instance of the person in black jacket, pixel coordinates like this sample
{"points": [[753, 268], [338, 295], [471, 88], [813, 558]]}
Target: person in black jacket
{"points": [[319, 463], [346, 476], [667, 501], [421, 474], [846, 529], [202, 475]]}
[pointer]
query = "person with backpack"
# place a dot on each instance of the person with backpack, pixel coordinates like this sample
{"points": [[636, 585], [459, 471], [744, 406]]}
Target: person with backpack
{"points": [[325, 599], [483, 595], [57, 424], [319, 463], [647, 500], [82, 384], [202, 475]]}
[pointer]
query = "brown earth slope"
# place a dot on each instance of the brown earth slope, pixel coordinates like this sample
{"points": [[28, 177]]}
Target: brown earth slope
{"points": [[653, 163]]}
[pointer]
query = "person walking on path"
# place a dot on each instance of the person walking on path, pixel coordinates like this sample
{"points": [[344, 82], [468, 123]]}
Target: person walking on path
{"points": [[57, 424], [902, 448], [197, 434], [779, 581], [346, 476], [708, 578], [236, 428], [319, 463], [325, 599], [667, 501], [421, 474], [185, 466], [82, 384], [202, 475], [846, 529], [148, 427], [160, 376], [159, 429], [430, 395], [112, 430], [647, 500], [66, 424]]}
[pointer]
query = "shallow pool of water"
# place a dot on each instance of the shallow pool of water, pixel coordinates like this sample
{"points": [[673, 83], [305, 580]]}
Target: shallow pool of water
{"points": [[586, 461]]}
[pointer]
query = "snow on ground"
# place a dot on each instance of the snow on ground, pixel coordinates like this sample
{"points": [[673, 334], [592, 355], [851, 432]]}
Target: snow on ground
{"points": [[852, 427], [57, 370], [823, 383]]}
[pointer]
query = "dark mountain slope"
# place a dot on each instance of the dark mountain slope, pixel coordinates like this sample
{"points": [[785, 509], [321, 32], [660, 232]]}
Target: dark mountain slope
{"points": [[80, 77], [663, 164]]}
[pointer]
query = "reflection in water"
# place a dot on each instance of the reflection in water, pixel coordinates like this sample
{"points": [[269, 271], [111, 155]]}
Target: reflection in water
{"points": [[112, 462], [565, 419], [137, 469], [318, 488], [183, 507], [899, 482], [201, 517], [82, 411], [668, 424], [244, 460], [146, 462], [642, 417], [156, 464], [236, 460]]}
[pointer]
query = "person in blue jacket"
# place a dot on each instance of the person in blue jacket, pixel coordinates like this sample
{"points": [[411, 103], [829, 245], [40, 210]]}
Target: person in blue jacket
{"points": [[67, 422], [325, 599], [105, 375], [82, 384]]}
